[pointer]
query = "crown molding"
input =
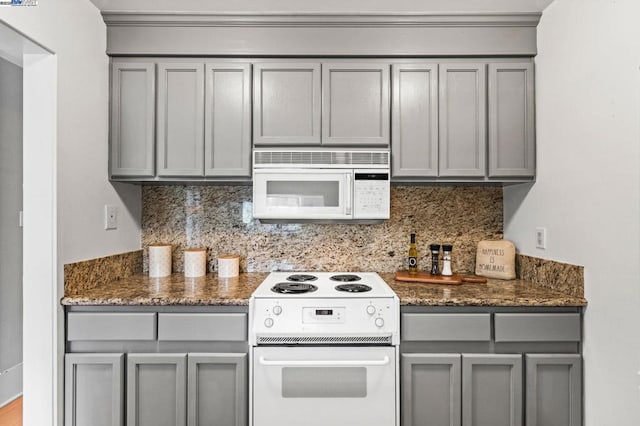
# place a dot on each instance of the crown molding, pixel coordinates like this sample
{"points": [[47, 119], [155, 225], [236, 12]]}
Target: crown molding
{"points": [[284, 20]]}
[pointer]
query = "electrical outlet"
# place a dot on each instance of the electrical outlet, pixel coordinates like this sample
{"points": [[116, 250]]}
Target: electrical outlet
{"points": [[541, 238], [110, 217]]}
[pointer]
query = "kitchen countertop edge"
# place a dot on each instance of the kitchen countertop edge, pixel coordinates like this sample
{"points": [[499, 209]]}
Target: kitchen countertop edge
{"points": [[175, 290]]}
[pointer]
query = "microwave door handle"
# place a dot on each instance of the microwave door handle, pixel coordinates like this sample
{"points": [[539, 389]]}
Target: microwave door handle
{"points": [[308, 363], [348, 194]]}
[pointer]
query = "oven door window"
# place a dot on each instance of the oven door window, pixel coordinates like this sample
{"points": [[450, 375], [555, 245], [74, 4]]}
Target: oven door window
{"points": [[321, 382]]}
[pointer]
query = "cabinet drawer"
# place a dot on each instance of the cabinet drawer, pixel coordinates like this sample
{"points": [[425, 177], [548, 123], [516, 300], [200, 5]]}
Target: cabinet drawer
{"points": [[199, 327], [111, 326], [537, 327], [446, 327]]}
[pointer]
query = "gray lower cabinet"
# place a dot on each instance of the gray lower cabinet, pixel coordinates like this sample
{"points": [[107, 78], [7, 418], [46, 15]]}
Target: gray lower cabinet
{"points": [[286, 104], [227, 121], [553, 390], [414, 120], [132, 137], [180, 119], [195, 389], [462, 104], [217, 389], [431, 389], [491, 390], [94, 390], [355, 104], [511, 120], [156, 389]]}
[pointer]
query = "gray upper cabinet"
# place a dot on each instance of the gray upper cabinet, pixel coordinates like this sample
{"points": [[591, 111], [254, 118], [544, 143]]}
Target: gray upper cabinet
{"points": [[156, 389], [491, 390], [180, 124], [132, 119], [511, 120], [431, 389], [227, 124], [415, 120], [355, 104], [286, 104], [554, 390], [94, 389], [462, 120], [217, 389]]}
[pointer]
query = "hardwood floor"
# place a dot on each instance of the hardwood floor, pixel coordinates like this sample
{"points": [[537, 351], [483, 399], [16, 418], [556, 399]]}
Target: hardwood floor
{"points": [[11, 414]]}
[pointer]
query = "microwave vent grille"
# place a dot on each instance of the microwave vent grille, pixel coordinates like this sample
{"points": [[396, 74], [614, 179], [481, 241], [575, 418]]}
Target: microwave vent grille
{"points": [[292, 158]]}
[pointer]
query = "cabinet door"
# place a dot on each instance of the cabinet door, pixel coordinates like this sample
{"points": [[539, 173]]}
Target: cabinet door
{"points": [[430, 390], [286, 104], [94, 389], [462, 120], [132, 119], [355, 104], [156, 389], [227, 121], [492, 390], [511, 120], [554, 384], [415, 120], [180, 123], [217, 391]]}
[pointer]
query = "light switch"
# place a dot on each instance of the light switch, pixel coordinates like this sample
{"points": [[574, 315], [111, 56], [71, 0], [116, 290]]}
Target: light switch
{"points": [[110, 217], [541, 238]]}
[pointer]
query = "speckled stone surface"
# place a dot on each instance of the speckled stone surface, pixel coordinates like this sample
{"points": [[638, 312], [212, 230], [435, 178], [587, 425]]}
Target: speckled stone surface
{"points": [[220, 219], [82, 276], [563, 277], [493, 293], [140, 290]]}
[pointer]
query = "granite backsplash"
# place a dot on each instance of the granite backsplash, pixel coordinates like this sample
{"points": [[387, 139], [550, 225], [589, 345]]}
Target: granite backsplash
{"points": [[219, 218]]}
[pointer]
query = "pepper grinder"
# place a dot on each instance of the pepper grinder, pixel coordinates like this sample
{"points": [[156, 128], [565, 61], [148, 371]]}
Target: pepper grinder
{"points": [[446, 259], [435, 252]]}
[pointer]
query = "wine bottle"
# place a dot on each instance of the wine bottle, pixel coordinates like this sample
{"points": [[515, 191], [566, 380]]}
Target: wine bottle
{"points": [[413, 255]]}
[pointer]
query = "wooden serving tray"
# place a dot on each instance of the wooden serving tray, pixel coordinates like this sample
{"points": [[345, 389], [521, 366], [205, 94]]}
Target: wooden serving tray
{"points": [[425, 277]]}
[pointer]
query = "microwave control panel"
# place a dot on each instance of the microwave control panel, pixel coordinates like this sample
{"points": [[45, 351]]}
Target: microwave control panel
{"points": [[371, 194]]}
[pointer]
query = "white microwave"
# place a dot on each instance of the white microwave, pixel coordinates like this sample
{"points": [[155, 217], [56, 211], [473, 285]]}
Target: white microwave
{"points": [[321, 185]]}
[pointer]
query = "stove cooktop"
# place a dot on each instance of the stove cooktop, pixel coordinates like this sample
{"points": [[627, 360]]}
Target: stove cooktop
{"points": [[323, 285]]}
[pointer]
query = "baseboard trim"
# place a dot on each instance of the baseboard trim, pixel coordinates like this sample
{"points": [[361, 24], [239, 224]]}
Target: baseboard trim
{"points": [[10, 384]]}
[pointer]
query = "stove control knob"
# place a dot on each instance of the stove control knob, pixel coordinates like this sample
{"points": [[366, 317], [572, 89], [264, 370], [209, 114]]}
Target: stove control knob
{"points": [[277, 310], [371, 309], [379, 322], [268, 322]]}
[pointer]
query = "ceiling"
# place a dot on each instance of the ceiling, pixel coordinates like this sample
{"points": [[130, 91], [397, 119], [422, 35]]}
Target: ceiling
{"points": [[324, 6]]}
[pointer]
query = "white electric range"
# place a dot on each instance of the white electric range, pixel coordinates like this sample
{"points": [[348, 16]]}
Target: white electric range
{"points": [[324, 348]]}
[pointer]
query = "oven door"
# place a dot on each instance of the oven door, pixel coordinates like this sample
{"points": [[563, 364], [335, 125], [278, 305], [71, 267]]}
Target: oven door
{"points": [[303, 194], [324, 386]]}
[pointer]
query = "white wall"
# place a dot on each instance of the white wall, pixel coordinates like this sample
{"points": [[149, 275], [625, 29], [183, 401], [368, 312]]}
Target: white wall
{"points": [[587, 193], [73, 30]]}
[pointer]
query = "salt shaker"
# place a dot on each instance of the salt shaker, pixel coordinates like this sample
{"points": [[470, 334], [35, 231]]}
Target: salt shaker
{"points": [[435, 252], [446, 259]]}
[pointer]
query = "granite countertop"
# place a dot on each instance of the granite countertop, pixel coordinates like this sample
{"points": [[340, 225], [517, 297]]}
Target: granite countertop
{"points": [[140, 290], [493, 293]]}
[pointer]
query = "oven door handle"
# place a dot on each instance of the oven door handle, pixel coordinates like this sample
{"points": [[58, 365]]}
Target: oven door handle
{"points": [[329, 362]]}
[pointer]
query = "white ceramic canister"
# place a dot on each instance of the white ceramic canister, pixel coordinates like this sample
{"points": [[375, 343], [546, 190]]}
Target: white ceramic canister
{"points": [[228, 266], [195, 262], [159, 260]]}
